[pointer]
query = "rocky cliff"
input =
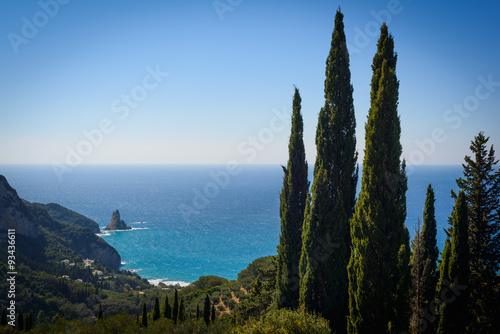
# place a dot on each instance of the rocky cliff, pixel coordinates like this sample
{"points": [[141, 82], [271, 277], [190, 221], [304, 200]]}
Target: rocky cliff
{"points": [[116, 223], [53, 239], [13, 213]]}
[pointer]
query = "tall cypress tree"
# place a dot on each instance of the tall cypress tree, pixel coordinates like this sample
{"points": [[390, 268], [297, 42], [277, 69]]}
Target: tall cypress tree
{"points": [[481, 184], [20, 321], [197, 312], [182, 310], [292, 205], [379, 271], [419, 277], [454, 272], [430, 252], [29, 321], [326, 239], [144, 315], [156, 309], [3, 319], [167, 310], [212, 315], [175, 310], [206, 310], [424, 267]]}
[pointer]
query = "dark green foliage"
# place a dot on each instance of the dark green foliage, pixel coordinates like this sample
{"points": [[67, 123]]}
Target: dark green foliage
{"points": [[29, 321], [481, 184], [424, 267], [20, 321], [3, 319], [420, 274], [326, 238], [68, 216], [144, 322], [197, 312], [430, 252], [212, 314], [261, 295], [175, 309], [379, 271], [206, 310], [182, 310], [288, 321], [99, 313], [156, 309], [258, 266], [167, 310], [453, 285], [292, 205], [124, 323]]}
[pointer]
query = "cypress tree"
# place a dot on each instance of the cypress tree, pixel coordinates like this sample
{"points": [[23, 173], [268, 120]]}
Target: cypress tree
{"points": [[326, 238], [29, 321], [454, 272], [156, 309], [175, 310], [144, 315], [481, 184], [430, 252], [197, 312], [424, 266], [292, 205], [206, 310], [167, 310], [99, 313], [3, 319], [212, 315], [182, 311], [379, 271], [20, 321], [419, 277]]}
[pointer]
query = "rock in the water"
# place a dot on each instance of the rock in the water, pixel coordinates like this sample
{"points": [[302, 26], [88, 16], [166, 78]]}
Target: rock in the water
{"points": [[116, 223]]}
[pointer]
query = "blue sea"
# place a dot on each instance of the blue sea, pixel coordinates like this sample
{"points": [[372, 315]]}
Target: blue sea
{"points": [[195, 220]]}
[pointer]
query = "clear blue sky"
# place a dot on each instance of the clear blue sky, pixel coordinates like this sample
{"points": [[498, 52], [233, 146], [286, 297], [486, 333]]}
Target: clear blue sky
{"points": [[73, 66]]}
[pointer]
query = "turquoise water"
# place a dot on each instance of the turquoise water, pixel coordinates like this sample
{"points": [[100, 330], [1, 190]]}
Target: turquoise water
{"points": [[190, 221]]}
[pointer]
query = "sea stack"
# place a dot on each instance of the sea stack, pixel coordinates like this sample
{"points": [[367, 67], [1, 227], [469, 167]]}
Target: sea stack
{"points": [[116, 223]]}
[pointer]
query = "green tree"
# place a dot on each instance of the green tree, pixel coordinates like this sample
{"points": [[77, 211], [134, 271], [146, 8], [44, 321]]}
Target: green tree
{"points": [[167, 310], [182, 310], [481, 184], [454, 272], [292, 205], [144, 315], [3, 319], [156, 309], [175, 309], [326, 237], [424, 267], [99, 313], [379, 271], [20, 321], [206, 310], [197, 312], [212, 314], [430, 252], [29, 321]]}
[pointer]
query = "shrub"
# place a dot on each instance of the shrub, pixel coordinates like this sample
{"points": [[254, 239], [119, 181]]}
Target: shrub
{"points": [[287, 321]]}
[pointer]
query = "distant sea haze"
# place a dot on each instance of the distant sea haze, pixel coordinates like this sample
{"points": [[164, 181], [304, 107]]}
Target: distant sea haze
{"points": [[185, 222]]}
